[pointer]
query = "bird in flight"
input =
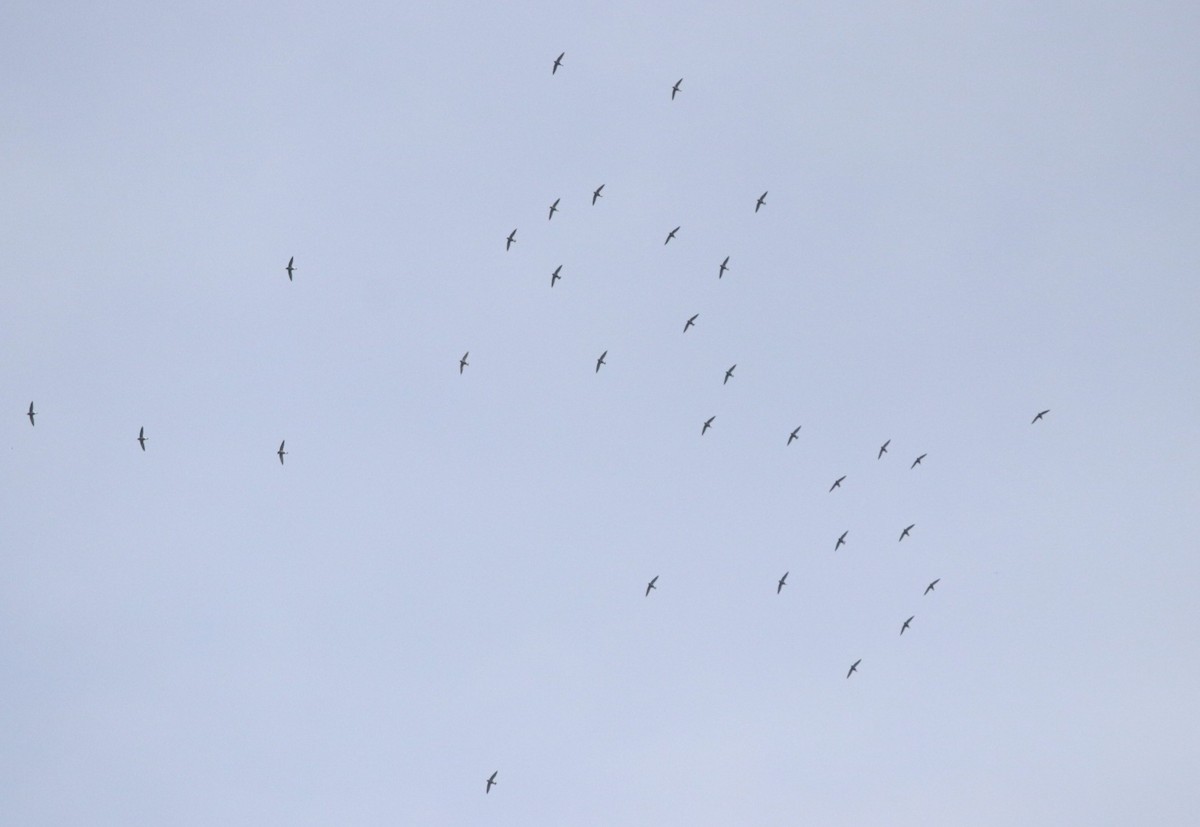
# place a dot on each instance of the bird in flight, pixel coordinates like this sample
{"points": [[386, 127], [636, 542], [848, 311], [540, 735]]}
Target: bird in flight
{"points": [[917, 461], [675, 88], [838, 482], [854, 667], [729, 373], [904, 533], [463, 363], [724, 267], [282, 453], [555, 276], [690, 322], [557, 62], [1040, 415], [597, 194], [32, 413], [601, 361], [707, 424], [142, 437], [491, 782], [883, 449], [762, 199], [841, 540], [290, 269], [782, 583], [671, 235], [512, 239], [930, 588], [553, 209], [651, 585], [905, 626], [794, 434]]}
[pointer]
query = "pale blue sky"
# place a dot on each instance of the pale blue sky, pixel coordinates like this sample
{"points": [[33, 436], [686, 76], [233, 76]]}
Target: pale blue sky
{"points": [[974, 214]]}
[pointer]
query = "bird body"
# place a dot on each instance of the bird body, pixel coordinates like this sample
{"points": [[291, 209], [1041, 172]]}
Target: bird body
{"points": [[917, 461], [675, 88], [553, 208], [837, 483], [557, 63], [32, 413], [782, 583], [512, 239], [854, 667], [463, 363], [690, 322], [555, 276], [491, 782], [290, 269], [729, 373], [794, 435], [724, 267], [762, 199], [930, 588], [1040, 415], [707, 424], [904, 533], [671, 235], [282, 453], [905, 626], [601, 361], [883, 449], [841, 540], [142, 437], [596, 194], [651, 585]]}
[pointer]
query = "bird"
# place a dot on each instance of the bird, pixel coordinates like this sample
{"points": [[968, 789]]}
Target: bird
{"points": [[601, 361], [917, 461], [463, 363], [707, 424], [32, 413], [904, 533], [553, 208], [651, 585], [675, 88], [597, 194], [905, 626], [671, 235], [491, 782], [557, 62], [512, 239], [762, 199], [290, 268], [841, 540], [853, 667], [729, 373], [930, 587], [1040, 415], [555, 276], [782, 583], [690, 322], [281, 452], [883, 449], [838, 482], [142, 437], [724, 267], [794, 435]]}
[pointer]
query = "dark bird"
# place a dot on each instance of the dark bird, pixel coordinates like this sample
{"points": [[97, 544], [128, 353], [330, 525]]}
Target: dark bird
{"points": [[512, 239], [838, 482], [782, 583], [707, 424], [675, 88], [729, 373], [491, 782], [553, 209], [282, 453], [905, 626], [557, 62], [555, 276], [854, 667], [290, 269], [597, 194], [32, 413], [841, 540], [463, 363], [651, 585], [601, 361], [794, 435], [1040, 415], [762, 199], [690, 322], [142, 437], [917, 461], [671, 235], [904, 533], [883, 449], [724, 267], [930, 588]]}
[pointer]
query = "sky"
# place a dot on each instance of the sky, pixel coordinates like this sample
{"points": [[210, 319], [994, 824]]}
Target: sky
{"points": [[975, 212]]}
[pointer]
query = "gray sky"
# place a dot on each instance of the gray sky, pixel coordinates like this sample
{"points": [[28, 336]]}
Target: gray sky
{"points": [[974, 214]]}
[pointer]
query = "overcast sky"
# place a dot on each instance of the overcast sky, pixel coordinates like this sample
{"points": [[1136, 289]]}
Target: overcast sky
{"points": [[974, 214]]}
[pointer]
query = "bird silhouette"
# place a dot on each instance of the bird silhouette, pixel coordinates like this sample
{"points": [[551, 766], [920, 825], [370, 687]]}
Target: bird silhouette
{"points": [[762, 199], [904, 533], [729, 374], [557, 62], [601, 361], [794, 435], [512, 239], [290, 269], [1040, 415], [782, 583], [555, 276], [841, 540], [651, 585], [930, 587], [724, 267], [491, 782], [142, 437], [282, 453], [463, 363], [905, 626], [838, 482], [32, 413], [553, 208], [675, 88], [707, 424], [853, 667], [917, 461], [883, 449], [690, 322], [671, 235], [597, 194]]}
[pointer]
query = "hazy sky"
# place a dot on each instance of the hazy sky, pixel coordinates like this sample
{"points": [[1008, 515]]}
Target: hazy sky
{"points": [[974, 214]]}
